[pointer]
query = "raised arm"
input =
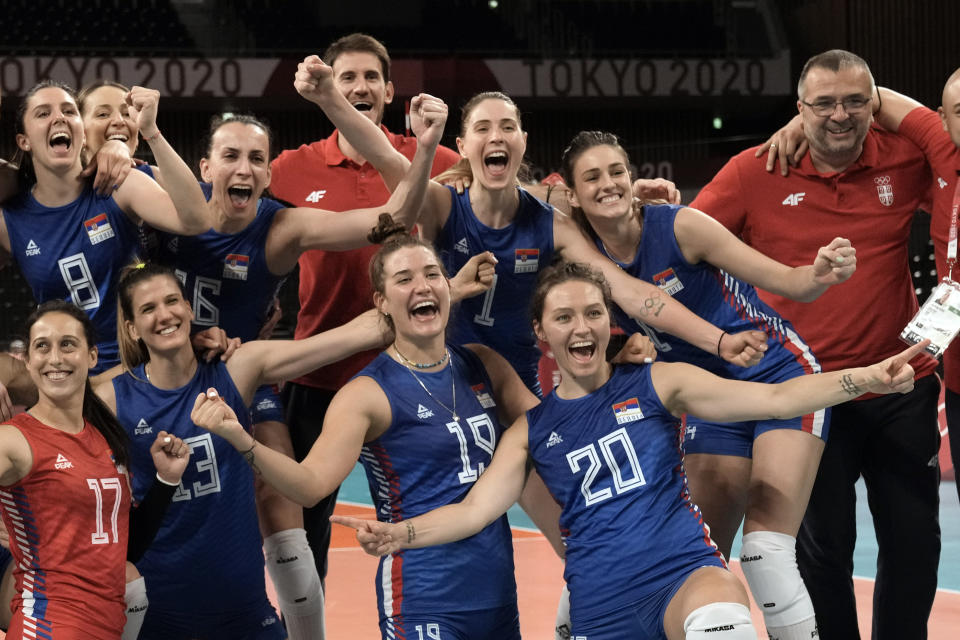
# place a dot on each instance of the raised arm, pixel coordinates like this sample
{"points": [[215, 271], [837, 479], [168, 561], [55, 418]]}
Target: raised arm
{"points": [[648, 304], [301, 229], [890, 108], [262, 362], [684, 388], [701, 238], [496, 490], [181, 208], [359, 407]]}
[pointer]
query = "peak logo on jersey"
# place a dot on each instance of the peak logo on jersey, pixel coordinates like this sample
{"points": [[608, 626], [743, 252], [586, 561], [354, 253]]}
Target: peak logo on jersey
{"points": [[462, 246], [554, 439], [423, 413], [627, 411], [483, 396], [941, 182], [98, 228], [62, 462], [235, 266], [668, 281], [316, 196], [266, 403], [32, 248], [526, 260], [142, 428], [884, 190], [794, 199]]}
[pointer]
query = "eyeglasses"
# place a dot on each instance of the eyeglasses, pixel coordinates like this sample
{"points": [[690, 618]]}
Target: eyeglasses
{"points": [[851, 106]]}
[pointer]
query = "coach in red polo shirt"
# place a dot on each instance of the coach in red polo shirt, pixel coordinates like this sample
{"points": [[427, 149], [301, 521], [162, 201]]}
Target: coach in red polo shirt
{"points": [[865, 184], [937, 133], [334, 286]]}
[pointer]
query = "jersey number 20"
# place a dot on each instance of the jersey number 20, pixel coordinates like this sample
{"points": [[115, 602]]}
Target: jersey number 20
{"points": [[621, 441]]}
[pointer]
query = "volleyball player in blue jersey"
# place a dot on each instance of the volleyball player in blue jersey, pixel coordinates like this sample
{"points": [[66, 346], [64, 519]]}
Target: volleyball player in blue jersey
{"points": [[523, 233], [205, 568], [424, 418], [640, 562], [765, 468]]}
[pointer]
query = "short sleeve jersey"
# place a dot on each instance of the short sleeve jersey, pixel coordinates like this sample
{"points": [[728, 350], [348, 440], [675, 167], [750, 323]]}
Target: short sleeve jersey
{"points": [[498, 318], [789, 218], [334, 288], [68, 522], [206, 558], [612, 460], [425, 460], [75, 252], [226, 275], [714, 295]]}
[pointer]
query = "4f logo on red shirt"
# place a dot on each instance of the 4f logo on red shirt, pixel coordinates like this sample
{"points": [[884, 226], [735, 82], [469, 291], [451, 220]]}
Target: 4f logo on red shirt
{"points": [[884, 190]]}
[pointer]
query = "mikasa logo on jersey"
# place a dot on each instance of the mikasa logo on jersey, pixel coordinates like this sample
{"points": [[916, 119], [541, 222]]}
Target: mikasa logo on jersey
{"points": [[62, 462], [98, 229], [627, 411], [32, 248], [142, 428], [423, 413]]}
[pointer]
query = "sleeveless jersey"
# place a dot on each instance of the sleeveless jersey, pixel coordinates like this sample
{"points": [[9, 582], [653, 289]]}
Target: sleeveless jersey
{"points": [[499, 318], [425, 460], [68, 521], [226, 275], [612, 460], [715, 296], [75, 252], [207, 558]]}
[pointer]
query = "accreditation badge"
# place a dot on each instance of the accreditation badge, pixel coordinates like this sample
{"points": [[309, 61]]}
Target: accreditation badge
{"points": [[938, 319]]}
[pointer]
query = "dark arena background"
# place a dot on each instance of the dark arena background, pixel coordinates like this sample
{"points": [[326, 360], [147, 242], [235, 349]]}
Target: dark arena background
{"points": [[685, 83]]}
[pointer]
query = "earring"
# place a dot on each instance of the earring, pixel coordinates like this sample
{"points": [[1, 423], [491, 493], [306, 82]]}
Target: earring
{"points": [[386, 315]]}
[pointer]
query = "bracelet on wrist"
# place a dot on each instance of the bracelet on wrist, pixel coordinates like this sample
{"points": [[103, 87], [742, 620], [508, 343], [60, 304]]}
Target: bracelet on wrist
{"points": [[169, 484], [151, 138], [719, 340]]}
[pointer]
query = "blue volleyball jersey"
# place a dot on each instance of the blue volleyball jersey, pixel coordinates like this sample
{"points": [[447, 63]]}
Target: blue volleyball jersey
{"points": [[207, 558], [226, 275], [426, 460], [612, 460], [715, 296], [75, 252], [499, 317]]}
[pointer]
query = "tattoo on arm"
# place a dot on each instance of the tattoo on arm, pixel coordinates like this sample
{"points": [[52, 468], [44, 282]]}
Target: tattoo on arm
{"points": [[652, 306], [411, 532], [849, 386]]}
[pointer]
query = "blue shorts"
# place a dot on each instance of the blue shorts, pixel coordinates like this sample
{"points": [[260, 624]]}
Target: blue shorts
{"points": [[501, 623], [736, 438], [640, 619], [266, 406], [259, 622]]}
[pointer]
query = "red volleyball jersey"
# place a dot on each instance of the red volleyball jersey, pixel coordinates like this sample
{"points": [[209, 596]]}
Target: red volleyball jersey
{"points": [[67, 520]]}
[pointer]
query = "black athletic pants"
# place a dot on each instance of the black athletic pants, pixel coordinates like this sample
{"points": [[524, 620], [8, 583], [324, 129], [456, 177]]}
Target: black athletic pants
{"points": [[892, 441]]}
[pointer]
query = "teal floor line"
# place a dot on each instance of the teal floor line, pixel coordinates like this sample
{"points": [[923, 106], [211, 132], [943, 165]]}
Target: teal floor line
{"points": [[355, 489]]}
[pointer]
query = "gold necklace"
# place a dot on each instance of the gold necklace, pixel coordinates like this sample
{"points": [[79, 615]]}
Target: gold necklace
{"points": [[453, 384]]}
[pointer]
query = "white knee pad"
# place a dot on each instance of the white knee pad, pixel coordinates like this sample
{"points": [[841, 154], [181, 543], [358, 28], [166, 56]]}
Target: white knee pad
{"points": [[769, 562], [720, 621], [294, 575], [561, 629], [135, 598]]}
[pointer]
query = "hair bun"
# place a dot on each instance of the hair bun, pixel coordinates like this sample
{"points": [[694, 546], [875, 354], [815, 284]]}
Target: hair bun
{"points": [[385, 229]]}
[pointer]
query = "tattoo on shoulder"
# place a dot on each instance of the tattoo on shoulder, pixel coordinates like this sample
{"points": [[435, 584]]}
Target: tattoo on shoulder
{"points": [[653, 305], [849, 386]]}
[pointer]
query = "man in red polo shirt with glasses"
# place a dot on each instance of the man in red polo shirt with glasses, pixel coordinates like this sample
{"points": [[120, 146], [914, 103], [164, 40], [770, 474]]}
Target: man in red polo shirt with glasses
{"points": [[334, 286], [865, 184]]}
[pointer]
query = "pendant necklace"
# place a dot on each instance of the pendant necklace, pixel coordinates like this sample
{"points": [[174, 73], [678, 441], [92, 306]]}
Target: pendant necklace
{"points": [[453, 380]]}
